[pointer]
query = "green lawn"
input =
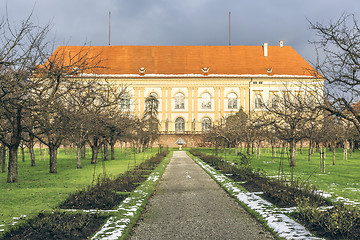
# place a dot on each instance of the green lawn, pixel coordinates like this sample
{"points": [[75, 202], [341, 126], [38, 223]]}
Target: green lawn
{"points": [[38, 190], [340, 180]]}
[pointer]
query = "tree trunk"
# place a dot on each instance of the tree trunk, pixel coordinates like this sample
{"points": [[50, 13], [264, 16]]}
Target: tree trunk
{"points": [[53, 157], [310, 150], [78, 155], [248, 150], [83, 151], [95, 149], [322, 159], [292, 153], [3, 158], [22, 152], [12, 165], [272, 153], [40, 150], [236, 149], [301, 147], [94, 154], [32, 155], [112, 151], [259, 150], [334, 151], [106, 151]]}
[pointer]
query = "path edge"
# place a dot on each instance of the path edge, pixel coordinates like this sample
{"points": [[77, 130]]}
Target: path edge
{"points": [[227, 184], [119, 226]]}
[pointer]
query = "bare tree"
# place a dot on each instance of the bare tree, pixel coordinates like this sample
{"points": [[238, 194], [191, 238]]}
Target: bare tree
{"points": [[338, 47], [289, 119], [21, 49], [59, 77]]}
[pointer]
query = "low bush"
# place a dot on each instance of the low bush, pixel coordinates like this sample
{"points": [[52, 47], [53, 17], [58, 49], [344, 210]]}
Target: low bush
{"points": [[100, 196], [280, 192], [338, 222], [334, 222], [104, 194], [58, 225]]}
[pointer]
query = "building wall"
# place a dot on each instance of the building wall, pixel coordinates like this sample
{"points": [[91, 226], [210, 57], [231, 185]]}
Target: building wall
{"points": [[218, 88]]}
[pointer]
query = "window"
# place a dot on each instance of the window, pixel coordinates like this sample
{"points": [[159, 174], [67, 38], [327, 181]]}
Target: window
{"points": [[125, 101], [298, 100], [311, 100], [258, 101], [206, 101], [232, 101], [179, 125], [274, 101], [153, 94], [286, 100], [179, 101], [206, 124]]}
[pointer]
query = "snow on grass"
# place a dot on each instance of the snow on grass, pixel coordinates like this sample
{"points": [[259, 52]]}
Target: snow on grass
{"points": [[275, 217], [128, 209]]}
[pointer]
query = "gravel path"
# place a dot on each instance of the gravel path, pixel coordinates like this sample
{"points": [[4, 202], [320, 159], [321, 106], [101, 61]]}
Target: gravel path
{"points": [[188, 204]]}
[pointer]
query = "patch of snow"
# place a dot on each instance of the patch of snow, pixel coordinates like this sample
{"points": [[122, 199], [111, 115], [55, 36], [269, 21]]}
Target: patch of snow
{"points": [[274, 216], [115, 225]]}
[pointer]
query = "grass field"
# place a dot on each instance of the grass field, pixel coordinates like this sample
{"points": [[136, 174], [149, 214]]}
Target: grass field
{"points": [[38, 190], [342, 180]]}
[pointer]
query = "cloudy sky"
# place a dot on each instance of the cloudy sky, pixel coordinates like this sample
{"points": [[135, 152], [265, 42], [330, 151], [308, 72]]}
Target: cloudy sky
{"points": [[181, 22]]}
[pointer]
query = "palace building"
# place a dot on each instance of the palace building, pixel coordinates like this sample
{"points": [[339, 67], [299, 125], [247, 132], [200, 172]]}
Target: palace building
{"points": [[199, 86]]}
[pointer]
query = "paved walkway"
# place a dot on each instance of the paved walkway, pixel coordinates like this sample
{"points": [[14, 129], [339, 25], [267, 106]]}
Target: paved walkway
{"points": [[188, 204]]}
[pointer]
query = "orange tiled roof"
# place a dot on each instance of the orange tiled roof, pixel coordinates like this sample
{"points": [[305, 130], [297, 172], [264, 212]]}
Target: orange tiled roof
{"points": [[228, 60]]}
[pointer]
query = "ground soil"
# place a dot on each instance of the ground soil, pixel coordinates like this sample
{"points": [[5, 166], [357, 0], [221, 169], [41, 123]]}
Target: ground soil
{"points": [[44, 227]]}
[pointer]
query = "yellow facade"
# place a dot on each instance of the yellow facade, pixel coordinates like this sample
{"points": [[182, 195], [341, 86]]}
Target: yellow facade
{"points": [[199, 86], [195, 110]]}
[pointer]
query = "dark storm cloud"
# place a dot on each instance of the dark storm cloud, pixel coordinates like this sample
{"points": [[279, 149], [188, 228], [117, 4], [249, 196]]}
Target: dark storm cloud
{"points": [[181, 22]]}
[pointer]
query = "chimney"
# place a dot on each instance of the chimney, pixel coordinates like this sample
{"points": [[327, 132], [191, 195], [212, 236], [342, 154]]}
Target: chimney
{"points": [[281, 43], [265, 49]]}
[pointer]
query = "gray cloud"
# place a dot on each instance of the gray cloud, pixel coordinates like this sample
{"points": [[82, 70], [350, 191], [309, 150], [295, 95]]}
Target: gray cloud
{"points": [[181, 22]]}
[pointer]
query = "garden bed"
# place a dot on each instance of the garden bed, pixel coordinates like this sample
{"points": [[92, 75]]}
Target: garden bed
{"points": [[279, 192], [58, 225], [81, 225], [313, 210]]}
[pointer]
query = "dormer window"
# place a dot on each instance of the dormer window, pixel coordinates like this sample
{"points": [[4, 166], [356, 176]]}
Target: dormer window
{"points": [[142, 70], [205, 69], [269, 70]]}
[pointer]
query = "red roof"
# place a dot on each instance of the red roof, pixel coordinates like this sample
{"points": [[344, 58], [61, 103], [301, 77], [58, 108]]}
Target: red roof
{"points": [[228, 60]]}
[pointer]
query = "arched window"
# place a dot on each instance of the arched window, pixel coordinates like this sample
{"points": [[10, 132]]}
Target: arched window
{"points": [[125, 101], [287, 100], [206, 124], [274, 101], [153, 94], [206, 101], [258, 101], [179, 125], [311, 100], [298, 100], [179, 101], [232, 101]]}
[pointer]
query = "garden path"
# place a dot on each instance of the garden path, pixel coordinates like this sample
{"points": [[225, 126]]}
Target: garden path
{"points": [[189, 204]]}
